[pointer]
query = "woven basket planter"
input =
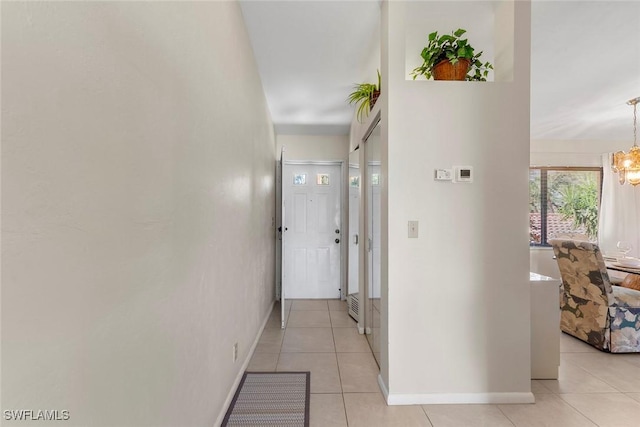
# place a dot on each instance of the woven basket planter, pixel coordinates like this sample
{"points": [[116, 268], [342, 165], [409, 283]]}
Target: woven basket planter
{"points": [[445, 70], [374, 98]]}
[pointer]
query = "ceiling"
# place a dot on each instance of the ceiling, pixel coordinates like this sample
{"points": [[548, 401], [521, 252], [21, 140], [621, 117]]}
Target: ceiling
{"points": [[585, 64]]}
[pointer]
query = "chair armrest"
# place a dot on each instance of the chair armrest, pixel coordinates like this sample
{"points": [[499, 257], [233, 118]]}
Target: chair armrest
{"points": [[624, 329], [625, 297]]}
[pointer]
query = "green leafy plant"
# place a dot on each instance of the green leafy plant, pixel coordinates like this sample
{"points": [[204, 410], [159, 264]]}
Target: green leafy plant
{"points": [[581, 205], [452, 48], [364, 95]]}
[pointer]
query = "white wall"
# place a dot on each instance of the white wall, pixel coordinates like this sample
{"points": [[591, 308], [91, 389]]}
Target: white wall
{"points": [[137, 200], [455, 300], [573, 152], [541, 261], [314, 147]]}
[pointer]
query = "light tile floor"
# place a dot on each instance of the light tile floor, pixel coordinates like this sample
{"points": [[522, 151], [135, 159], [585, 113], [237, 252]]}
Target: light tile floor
{"points": [[594, 388]]}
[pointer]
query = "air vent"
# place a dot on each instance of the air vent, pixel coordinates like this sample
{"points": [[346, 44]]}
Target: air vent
{"points": [[353, 303]]}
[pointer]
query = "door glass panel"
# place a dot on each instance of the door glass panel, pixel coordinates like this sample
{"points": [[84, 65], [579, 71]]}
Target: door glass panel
{"points": [[322, 179], [299, 179]]}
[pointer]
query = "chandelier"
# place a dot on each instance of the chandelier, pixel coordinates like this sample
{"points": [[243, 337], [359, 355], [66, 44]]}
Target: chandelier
{"points": [[627, 165]]}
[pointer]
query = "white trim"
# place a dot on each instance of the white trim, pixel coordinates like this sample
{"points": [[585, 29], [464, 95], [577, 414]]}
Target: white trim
{"points": [[315, 162], [383, 388], [344, 229], [457, 398], [372, 125], [236, 383]]}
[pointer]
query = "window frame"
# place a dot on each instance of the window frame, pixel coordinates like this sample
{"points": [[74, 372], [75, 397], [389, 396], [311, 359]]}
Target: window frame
{"points": [[544, 196]]}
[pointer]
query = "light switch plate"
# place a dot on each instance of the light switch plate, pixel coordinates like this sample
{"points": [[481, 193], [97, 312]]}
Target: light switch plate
{"points": [[413, 229]]}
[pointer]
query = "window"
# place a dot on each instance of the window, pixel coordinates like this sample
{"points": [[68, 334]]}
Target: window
{"points": [[354, 181], [322, 179], [563, 202]]}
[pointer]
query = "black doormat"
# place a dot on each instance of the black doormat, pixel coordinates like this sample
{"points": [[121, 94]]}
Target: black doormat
{"points": [[271, 399]]}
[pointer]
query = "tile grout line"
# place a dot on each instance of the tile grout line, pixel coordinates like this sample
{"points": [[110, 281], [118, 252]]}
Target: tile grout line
{"points": [[424, 411], [344, 403], [595, 375], [335, 352], [284, 331], [617, 390], [280, 352], [513, 423], [559, 395], [577, 410], [544, 386], [344, 407]]}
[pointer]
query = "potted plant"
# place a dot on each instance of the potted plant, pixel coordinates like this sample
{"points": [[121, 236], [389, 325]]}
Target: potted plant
{"points": [[364, 95], [450, 57]]}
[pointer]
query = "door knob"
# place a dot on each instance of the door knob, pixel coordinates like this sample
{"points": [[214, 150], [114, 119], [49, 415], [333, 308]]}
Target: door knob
{"points": [[337, 240], [337, 231]]}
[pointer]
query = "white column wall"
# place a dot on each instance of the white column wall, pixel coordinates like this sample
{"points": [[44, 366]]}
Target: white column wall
{"points": [[137, 203], [456, 317]]}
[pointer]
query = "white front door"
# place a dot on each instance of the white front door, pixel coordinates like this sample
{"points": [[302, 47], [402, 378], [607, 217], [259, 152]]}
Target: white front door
{"points": [[313, 233]]}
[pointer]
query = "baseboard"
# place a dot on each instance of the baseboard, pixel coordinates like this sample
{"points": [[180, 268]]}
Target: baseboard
{"points": [[444, 398], [456, 398], [243, 368], [383, 388]]}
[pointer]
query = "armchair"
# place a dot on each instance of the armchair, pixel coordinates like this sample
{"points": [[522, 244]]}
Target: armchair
{"points": [[605, 316]]}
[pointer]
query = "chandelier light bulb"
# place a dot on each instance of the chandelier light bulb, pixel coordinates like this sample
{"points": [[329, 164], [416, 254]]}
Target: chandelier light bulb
{"points": [[627, 165]]}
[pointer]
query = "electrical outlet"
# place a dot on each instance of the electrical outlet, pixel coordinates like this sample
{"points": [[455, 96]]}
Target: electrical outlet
{"points": [[235, 352]]}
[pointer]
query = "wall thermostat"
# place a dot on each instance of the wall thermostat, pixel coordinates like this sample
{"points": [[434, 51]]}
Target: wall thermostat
{"points": [[444, 175], [463, 174]]}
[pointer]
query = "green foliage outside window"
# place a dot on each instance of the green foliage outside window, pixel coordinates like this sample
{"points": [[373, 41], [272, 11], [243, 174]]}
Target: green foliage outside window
{"points": [[580, 204], [534, 191], [563, 201]]}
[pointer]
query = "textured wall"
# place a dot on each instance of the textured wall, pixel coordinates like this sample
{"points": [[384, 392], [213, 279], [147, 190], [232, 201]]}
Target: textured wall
{"points": [[137, 201]]}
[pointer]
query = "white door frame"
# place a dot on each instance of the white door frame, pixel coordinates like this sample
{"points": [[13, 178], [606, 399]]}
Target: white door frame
{"points": [[280, 237], [344, 205]]}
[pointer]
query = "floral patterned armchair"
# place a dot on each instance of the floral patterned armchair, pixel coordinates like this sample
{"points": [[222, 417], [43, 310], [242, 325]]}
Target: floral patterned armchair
{"points": [[605, 316]]}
